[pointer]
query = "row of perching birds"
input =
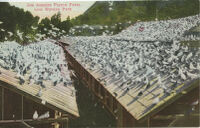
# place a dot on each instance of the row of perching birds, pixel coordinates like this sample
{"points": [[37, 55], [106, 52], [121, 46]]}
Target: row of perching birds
{"points": [[166, 30]]}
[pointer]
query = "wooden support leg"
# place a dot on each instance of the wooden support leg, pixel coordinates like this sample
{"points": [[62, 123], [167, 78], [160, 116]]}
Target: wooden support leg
{"points": [[173, 122], [57, 115], [22, 107], [2, 105], [27, 125], [66, 124], [148, 122]]}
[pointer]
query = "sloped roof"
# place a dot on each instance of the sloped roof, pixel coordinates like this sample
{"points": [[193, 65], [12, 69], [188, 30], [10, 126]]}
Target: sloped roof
{"points": [[58, 97], [142, 107], [145, 67], [138, 106]]}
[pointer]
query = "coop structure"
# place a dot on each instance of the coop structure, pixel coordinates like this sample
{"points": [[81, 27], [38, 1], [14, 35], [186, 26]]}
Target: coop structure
{"points": [[18, 103], [131, 112]]}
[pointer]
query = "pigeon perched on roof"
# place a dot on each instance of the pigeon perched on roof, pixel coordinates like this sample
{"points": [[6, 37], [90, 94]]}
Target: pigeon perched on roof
{"points": [[156, 100], [39, 93]]}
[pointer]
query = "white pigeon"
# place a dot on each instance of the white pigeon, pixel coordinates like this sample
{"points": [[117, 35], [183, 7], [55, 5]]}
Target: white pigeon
{"points": [[40, 92], [19, 34], [44, 116], [192, 67], [183, 76], [35, 115], [2, 30], [180, 72], [156, 100], [20, 76], [1, 22], [195, 102], [159, 80], [182, 58], [34, 28], [191, 75], [10, 33], [198, 66], [189, 56]]}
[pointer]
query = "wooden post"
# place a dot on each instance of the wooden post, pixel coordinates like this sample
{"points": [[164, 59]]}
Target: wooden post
{"points": [[22, 107], [119, 116], [57, 115], [2, 105], [148, 122], [67, 126]]}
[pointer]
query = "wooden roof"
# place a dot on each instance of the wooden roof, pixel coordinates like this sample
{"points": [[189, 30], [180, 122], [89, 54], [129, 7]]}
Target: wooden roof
{"points": [[57, 97], [143, 106]]}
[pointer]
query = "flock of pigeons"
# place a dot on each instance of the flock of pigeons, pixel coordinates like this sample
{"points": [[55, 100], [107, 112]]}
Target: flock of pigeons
{"points": [[36, 63], [131, 59], [166, 30], [153, 52], [53, 33]]}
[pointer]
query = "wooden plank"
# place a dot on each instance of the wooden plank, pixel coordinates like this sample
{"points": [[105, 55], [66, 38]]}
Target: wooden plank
{"points": [[28, 126], [13, 74], [170, 117], [2, 105], [54, 94], [31, 121], [137, 110], [22, 107], [147, 100], [67, 107], [57, 115], [125, 100]]}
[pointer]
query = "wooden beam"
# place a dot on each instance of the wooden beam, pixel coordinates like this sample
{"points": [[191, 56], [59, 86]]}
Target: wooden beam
{"points": [[57, 115], [148, 122], [22, 107], [28, 126], [66, 125], [31, 121], [173, 122], [172, 117], [2, 105]]}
